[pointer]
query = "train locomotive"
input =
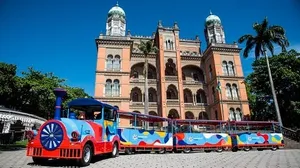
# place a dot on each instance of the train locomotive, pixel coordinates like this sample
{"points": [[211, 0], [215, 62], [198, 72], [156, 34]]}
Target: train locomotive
{"points": [[99, 132], [71, 138]]}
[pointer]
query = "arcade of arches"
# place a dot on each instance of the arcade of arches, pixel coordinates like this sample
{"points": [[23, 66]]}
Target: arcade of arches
{"points": [[173, 114], [137, 71]]}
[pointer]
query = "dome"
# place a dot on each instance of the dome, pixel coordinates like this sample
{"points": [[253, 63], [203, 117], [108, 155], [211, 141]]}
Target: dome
{"points": [[212, 19], [116, 10]]}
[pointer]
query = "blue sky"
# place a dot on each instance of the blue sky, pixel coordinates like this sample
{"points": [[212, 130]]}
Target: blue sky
{"points": [[59, 35]]}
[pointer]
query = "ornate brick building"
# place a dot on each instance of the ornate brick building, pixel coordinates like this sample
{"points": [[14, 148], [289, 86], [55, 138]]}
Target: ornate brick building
{"points": [[183, 80]]}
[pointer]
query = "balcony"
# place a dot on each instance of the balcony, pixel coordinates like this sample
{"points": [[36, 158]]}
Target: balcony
{"points": [[171, 78], [172, 101], [142, 80], [194, 104], [142, 103], [193, 82]]}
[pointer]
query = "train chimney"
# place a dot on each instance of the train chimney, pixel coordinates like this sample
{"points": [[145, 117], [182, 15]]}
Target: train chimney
{"points": [[59, 93]]}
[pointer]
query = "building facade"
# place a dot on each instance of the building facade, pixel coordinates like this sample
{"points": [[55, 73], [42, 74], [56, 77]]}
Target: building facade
{"points": [[183, 81]]}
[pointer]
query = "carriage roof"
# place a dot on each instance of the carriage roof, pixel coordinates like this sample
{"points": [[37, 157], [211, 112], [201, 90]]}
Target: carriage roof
{"points": [[82, 103], [139, 116], [254, 123], [199, 122]]}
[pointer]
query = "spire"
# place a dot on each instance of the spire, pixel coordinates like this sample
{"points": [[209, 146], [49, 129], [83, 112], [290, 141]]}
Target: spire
{"points": [[210, 12], [117, 3]]}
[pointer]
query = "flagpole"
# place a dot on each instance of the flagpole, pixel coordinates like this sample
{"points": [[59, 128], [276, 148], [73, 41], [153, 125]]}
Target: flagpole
{"points": [[221, 99]]}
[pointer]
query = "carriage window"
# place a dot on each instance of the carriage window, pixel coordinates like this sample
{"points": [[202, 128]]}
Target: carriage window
{"points": [[110, 114]]}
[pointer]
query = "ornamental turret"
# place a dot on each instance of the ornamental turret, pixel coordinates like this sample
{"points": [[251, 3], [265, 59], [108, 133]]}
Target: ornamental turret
{"points": [[116, 22], [214, 32]]}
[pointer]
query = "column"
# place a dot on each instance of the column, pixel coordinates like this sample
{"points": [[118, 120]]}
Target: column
{"points": [[6, 127]]}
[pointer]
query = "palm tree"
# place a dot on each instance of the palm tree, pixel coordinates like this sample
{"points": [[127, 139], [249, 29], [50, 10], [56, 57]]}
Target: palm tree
{"points": [[147, 48], [266, 36]]}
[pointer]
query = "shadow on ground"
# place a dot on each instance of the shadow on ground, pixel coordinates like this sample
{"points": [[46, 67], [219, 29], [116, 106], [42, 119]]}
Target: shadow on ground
{"points": [[69, 163]]}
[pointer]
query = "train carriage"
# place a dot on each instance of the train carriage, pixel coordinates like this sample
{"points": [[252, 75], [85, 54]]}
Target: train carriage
{"points": [[255, 134], [76, 138], [136, 138], [200, 134]]}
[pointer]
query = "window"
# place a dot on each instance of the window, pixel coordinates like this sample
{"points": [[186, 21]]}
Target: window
{"points": [[135, 74], [225, 68], [216, 114], [231, 114], [108, 87], [234, 91], [228, 91], [195, 77], [116, 63], [210, 72], [116, 87], [230, 68], [214, 94], [238, 114], [109, 114], [109, 62]]}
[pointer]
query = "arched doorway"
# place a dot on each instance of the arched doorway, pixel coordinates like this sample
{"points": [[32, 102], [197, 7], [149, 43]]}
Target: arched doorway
{"points": [[189, 115]]}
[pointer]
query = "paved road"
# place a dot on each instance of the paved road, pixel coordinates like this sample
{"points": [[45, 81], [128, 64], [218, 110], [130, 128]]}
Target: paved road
{"points": [[241, 159]]}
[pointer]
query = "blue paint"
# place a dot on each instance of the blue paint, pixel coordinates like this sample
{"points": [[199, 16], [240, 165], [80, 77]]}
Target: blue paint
{"points": [[59, 93], [51, 136]]}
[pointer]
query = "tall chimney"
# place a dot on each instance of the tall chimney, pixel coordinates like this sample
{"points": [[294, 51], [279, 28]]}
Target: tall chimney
{"points": [[59, 93]]}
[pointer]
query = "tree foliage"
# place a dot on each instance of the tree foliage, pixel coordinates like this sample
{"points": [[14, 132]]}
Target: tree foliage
{"points": [[285, 69], [266, 35], [33, 92]]}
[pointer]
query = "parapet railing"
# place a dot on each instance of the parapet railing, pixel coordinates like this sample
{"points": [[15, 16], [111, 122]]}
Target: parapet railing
{"points": [[289, 133]]}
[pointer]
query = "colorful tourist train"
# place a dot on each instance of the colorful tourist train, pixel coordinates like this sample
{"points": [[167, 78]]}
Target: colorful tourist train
{"points": [[98, 132]]}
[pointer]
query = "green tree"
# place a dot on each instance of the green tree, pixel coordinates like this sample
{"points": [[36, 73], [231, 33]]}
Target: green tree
{"points": [[266, 36], [33, 92], [8, 80], [147, 48], [286, 76]]}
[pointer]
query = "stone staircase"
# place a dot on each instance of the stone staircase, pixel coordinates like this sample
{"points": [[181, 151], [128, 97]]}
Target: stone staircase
{"points": [[291, 137]]}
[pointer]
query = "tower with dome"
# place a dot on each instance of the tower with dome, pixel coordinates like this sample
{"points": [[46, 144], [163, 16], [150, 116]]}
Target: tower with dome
{"points": [[182, 79]]}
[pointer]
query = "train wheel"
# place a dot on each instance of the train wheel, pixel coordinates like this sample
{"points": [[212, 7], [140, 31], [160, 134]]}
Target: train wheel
{"points": [[39, 160], [235, 149], [219, 150], [246, 148], [128, 151], [274, 148], [187, 150], [87, 154], [115, 151], [161, 151]]}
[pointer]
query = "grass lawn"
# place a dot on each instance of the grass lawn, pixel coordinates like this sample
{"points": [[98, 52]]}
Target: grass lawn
{"points": [[17, 145]]}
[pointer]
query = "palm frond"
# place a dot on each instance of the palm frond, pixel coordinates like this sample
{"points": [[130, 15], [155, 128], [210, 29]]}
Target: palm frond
{"points": [[270, 46], [249, 46], [244, 38]]}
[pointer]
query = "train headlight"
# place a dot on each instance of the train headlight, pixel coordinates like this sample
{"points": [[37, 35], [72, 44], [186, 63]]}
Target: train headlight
{"points": [[75, 136]]}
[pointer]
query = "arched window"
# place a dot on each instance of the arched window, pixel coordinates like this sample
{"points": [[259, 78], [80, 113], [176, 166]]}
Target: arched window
{"points": [[225, 68], [234, 91], [238, 114], [116, 64], [135, 74], [183, 76], [108, 87], [214, 94], [116, 88], [195, 77], [151, 97], [228, 91], [231, 114], [109, 62], [210, 72], [216, 114], [230, 68]]}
